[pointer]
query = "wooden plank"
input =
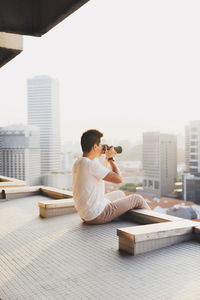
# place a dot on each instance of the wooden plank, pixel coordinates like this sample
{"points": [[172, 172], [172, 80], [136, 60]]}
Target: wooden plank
{"points": [[11, 182], [8, 179], [57, 203], [52, 212], [158, 230], [21, 192], [149, 245], [134, 248], [126, 245], [55, 193], [145, 216], [17, 192], [25, 189]]}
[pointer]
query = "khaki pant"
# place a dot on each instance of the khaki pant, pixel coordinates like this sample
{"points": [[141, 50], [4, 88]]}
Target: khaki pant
{"points": [[120, 203]]}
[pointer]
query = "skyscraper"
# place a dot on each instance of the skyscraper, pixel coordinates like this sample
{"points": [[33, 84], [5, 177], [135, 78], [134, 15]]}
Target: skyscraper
{"points": [[43, 111], [159, 163], [191, 178], [192, 147], [20, 153]]}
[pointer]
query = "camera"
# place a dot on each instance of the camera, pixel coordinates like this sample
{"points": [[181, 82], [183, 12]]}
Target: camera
{"points": [[118, 149]]}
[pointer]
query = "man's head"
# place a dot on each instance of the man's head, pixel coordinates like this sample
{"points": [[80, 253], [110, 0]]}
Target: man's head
{"points": [[90, 142]]}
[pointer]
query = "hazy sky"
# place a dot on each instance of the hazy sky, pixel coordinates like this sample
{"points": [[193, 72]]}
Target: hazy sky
{"points": [[124, 67]]}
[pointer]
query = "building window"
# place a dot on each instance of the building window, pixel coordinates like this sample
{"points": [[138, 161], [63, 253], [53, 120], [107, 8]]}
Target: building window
{"points": [[193, 170], [194, 164], [156, 185], [193, 156], [193, 143], [194, 136], [150, 184]]}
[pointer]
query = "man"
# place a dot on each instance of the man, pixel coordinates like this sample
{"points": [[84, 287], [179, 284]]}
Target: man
{"points": [[91, 202]]}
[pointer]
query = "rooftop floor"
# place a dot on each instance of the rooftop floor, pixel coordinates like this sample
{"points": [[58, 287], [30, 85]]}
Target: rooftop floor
{"points": [[61, 258]]}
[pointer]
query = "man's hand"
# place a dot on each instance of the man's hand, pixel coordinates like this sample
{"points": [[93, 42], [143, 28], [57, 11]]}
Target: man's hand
{"points": [[110, 153]]}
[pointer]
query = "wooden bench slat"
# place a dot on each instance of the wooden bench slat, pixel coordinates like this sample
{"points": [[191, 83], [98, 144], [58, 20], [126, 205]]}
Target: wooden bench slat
{"points": [[57, 203], [158, 230], [145, 216], [55, 193], [25, 189]]}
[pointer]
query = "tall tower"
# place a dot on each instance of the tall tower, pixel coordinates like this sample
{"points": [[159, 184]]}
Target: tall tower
{"points": [[191, 178], [20, 153], [43, 111], [159, 163], [192, 147]]}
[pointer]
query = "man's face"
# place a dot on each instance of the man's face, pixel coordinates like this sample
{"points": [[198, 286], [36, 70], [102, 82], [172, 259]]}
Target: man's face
{"points": [[98, 149]]}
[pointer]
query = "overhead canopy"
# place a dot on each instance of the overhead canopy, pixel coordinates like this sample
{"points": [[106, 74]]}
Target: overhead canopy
{"points": [[10, 46], [35, 17]]}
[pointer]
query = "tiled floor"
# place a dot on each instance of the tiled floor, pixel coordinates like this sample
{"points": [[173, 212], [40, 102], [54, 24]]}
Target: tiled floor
{"points": [[60, 258]]}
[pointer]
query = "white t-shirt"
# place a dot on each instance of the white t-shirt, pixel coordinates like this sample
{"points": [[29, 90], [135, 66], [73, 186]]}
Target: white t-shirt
{"points": [[88, 187]]}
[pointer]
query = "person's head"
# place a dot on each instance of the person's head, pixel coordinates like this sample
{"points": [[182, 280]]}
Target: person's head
{"points": [[91, 142]]}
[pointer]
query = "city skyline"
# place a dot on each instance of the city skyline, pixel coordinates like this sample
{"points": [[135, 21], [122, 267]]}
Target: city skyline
{"points": [[124, 76]]}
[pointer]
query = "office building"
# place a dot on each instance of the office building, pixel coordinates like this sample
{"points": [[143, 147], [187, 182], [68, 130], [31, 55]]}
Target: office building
{"points": [[43, 111], [159, 163], [20, 153], [192, 147]]}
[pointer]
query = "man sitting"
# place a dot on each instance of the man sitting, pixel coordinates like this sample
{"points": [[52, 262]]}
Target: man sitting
{"points": [[91, 202]]}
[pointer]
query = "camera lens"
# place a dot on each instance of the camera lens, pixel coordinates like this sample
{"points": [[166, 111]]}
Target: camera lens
{"points": [[118, 149]]}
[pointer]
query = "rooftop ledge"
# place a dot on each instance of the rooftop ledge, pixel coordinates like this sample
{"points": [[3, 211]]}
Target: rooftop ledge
{"points": [[157, 230]]}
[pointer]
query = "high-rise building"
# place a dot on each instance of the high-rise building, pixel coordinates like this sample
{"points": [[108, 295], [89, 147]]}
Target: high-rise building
{"points": [[20, 153], [191, 178], [192, 147], [43, 111], [191, 187], [159, 163]]}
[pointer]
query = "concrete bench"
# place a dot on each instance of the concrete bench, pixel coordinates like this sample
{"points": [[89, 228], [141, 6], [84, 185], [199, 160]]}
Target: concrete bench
{"points": [[54, 208], [140, 239]]}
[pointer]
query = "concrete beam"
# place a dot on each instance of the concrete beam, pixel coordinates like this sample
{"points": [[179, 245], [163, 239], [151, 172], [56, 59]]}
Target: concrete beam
{"points": [[10, 46], [35, 17]]}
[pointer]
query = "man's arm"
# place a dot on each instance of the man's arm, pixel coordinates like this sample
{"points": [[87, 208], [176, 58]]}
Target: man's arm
{"points": [[113, 176]]}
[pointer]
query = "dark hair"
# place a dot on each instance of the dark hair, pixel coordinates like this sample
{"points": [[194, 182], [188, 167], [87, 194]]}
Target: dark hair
{"points": [[89, 138]]}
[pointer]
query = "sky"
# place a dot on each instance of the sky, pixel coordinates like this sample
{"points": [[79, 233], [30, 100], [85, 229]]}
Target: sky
{"points": [[124, 67]]}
